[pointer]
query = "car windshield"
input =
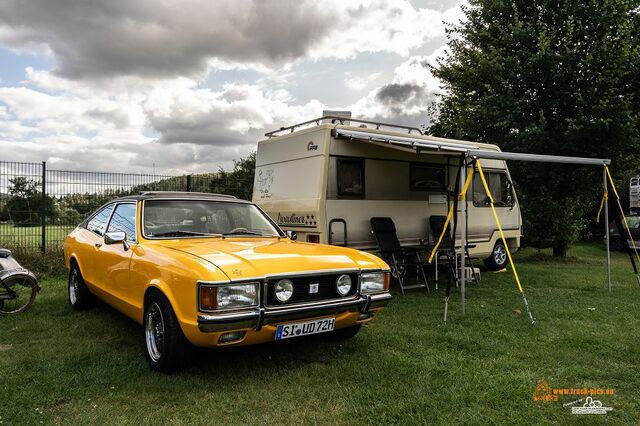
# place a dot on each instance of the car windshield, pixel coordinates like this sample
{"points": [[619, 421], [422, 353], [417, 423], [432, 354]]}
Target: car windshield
{"points": [[201, 218]]}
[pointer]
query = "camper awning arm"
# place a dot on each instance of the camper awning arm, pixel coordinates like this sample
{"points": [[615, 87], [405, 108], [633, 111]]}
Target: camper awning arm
{"points": [[517, 156], [415, 143]]}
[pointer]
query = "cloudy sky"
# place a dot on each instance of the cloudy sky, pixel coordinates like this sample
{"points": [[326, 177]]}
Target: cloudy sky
{"points": [[190, 85]]}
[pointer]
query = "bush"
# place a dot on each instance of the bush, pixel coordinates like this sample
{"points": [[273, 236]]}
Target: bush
{"points": [[49, 264]]}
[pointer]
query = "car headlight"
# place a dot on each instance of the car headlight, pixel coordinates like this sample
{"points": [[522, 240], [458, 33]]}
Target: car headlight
{"points": [[372, 282], [232, 296], [343, 284], [283, 290]]}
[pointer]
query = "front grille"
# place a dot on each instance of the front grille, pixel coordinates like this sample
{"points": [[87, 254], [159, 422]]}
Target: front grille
{"points": [[326, 289]]}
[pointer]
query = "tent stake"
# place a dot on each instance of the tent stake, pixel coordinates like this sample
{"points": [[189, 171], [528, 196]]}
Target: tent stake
{"points": [[446, 309], [606, 231]]}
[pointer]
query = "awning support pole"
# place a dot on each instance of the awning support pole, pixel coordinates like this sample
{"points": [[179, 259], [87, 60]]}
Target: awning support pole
{"points": [[606, 230], [463, 232]]}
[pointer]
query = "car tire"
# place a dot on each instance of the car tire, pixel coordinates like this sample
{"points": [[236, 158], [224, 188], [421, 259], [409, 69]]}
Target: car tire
{"points": [[616, 244], [166, 347], [79, 296], [498, 259], [346, 333]]}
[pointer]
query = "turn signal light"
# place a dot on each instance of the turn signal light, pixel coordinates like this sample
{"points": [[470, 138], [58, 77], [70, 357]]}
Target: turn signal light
{"points": [[208, 297], [311, 238], [387, 280]]}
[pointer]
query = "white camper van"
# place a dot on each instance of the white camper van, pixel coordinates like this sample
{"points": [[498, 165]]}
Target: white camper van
{"points": [[326, 178]]}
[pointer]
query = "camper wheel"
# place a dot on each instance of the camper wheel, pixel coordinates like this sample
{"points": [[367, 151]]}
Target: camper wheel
{"points": [[498, 259]]}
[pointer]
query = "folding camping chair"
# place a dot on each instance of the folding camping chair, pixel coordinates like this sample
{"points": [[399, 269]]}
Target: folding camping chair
{"points": [[399, 259], [447, 247]]}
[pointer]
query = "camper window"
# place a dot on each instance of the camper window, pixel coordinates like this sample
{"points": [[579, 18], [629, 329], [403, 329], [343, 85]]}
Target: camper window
{"points": [[500, 188], [351, 178], [427, 177]]}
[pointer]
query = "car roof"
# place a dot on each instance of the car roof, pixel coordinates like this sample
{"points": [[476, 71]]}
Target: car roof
{"points": [[175, 195]]}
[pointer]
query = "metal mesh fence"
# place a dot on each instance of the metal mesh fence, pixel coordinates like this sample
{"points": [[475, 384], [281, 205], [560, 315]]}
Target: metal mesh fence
{"points": [[39, 207]]}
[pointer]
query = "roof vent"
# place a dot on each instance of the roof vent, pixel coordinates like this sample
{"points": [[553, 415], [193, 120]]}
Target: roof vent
{"points": [[334, 117]]}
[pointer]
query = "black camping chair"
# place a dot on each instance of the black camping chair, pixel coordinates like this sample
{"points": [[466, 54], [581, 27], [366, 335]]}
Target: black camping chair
{"points": [[398, 258], [447, 247]]}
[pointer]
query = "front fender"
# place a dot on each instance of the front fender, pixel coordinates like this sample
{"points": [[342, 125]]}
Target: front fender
{"points": [[175, 275]]}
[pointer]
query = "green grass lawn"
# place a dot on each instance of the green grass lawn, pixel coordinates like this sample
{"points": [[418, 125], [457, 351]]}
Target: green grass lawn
{"points": [[31, 236], [64, 367]]}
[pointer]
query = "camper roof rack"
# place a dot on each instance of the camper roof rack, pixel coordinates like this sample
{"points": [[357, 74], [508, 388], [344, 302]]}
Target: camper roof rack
{"points": [[341, 120]]}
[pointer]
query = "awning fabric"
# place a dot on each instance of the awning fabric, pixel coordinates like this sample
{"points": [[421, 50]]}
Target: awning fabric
{"points": [[420, 145], [404, 141]]}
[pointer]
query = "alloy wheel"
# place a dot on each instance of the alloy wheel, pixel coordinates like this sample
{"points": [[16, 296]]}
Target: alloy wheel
{"points": [[154, 332], [500, 254]]}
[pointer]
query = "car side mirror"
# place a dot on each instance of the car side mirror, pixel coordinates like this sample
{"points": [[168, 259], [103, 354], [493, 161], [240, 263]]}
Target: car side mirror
{"points": [[292, 235], [116, 238]]}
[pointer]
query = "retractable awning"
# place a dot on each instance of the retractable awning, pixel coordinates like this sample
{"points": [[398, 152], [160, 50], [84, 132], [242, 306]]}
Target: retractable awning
{"points": [[421, 145], [418, 144], [517, 156]]}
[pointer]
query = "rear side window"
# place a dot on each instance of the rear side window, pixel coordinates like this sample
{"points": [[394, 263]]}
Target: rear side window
{"points": [[98, 222], [351, 178], [124, 220], [500, 188], [427, 177]]}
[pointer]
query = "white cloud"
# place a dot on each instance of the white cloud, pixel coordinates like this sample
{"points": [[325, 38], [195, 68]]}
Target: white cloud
{"points": [[123, 70], [147, 38], [407, 96], [358, 83], [199, 129], [382, 26], [107, 38], [239, 114]]}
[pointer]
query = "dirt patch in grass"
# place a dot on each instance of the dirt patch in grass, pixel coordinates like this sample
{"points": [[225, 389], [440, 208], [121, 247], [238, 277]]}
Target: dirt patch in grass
{"points": [[5, 347]]}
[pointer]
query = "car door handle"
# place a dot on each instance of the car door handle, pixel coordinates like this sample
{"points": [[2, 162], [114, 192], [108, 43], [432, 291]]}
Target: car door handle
{"points": [[98, 245]]}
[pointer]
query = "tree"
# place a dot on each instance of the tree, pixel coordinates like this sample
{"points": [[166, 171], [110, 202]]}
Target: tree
{"points": [[26, 203], [239, 181], [542, 76]]}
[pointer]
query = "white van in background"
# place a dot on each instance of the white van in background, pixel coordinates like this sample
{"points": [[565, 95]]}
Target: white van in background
{"points": [[326, 178]]}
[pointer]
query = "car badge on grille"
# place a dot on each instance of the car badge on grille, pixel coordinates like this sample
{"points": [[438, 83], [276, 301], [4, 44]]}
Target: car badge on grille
{"points": [[313, 288]]}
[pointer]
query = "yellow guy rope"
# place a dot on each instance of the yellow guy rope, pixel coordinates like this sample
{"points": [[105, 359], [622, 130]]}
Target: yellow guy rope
{"points": [[461, 197], [624, 218], [605, 198], [495, 216]]}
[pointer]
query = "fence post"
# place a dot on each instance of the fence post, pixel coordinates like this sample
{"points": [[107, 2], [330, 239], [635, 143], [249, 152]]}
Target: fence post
{"points": [[188, 183], [43, 208]]}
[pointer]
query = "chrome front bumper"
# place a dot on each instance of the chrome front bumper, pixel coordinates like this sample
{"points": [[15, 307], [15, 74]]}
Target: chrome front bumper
{"points": [[258, 317]]}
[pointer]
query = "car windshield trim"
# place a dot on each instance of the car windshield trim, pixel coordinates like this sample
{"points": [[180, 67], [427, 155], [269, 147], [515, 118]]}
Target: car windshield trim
{"points": [[277, 232]]}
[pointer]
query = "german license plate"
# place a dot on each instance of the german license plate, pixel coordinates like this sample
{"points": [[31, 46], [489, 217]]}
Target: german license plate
{"points": [[297, 329]]}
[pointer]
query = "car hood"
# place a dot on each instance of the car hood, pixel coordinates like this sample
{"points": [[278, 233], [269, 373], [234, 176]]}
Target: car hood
{"points": [[246, 258]]}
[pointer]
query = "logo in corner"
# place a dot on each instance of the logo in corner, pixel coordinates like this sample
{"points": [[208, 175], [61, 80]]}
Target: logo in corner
{"points": [[590, 406], [311, 146], [543, 392], [584, 405]]}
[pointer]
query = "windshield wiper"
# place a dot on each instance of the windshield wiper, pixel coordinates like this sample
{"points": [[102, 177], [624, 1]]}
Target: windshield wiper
{"points": [[180, 233], [248, 233]]}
